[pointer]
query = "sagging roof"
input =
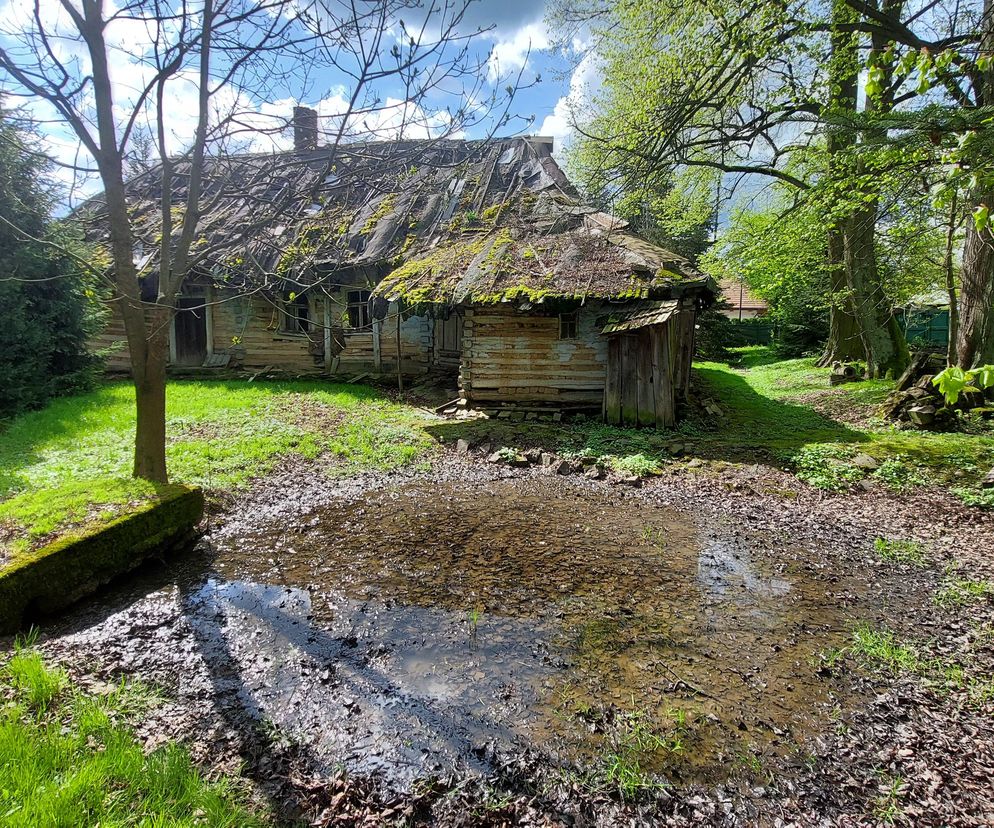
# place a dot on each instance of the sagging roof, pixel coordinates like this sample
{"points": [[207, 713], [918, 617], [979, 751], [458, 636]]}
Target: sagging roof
{"points": [[465, 221]]}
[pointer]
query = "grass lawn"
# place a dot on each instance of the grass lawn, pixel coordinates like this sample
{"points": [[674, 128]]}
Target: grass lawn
{"points": [[68, 758], [68, 464]]}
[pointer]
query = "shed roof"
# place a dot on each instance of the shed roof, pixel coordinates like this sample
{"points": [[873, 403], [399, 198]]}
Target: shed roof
{"points": [[641, 315]]}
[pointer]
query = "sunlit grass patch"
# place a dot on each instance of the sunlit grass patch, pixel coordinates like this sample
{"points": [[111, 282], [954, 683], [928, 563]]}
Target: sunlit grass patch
{"points": [[68, 758]]}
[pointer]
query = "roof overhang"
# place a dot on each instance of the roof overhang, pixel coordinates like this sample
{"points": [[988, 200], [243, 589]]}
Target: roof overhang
{"points": [[642, 315]]}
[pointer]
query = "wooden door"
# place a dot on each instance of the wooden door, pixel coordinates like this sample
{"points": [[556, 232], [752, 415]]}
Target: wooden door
{"points": [[639, 386], [190, 328]]}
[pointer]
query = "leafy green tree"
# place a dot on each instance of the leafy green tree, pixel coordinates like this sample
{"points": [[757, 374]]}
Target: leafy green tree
{"points": [[47, 312]]}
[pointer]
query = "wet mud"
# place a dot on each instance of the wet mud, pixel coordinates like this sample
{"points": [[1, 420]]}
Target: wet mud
{"points": [[415, 631]]}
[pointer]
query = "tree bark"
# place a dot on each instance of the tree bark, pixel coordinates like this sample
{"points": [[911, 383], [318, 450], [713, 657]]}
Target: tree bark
{"points": [[844, 343], [975, 341], [950, 272], [883, 341], [150, 399]]}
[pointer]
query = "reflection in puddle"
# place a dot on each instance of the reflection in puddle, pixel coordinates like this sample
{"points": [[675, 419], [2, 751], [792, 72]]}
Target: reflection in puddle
{"points": [[414, 630]]}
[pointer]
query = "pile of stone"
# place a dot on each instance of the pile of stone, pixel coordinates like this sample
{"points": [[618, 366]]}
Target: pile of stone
{"points": [[917, 402]]}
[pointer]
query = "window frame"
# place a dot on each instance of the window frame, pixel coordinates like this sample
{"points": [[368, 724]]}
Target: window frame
{"points": [[566, 320], [292, 323], [361, 308]]}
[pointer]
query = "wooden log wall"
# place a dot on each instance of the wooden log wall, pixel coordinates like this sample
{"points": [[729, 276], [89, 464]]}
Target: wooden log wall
{"points": [[515, 357], [248, 328]]}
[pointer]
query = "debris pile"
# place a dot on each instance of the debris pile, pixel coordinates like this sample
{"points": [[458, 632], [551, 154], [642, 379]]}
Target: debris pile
{"points": [[917, 402]]}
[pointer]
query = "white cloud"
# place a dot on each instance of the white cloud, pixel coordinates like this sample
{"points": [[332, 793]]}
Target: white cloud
{"points": [[511, 52], [576, 105]]}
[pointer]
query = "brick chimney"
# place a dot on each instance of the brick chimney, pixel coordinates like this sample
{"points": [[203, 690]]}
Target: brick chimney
{"points": [[305, 128]]}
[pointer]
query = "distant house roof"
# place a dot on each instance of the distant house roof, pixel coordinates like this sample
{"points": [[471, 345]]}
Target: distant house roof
{"points": [[737, 294], [468, 220]]}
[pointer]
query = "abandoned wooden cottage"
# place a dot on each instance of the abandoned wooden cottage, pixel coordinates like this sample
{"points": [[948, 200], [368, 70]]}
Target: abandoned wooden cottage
{"points": [[479, 260]]}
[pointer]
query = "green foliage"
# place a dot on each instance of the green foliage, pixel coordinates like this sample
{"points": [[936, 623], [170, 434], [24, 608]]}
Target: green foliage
{"points": [[48, 309], [822, 467], [879, 650], [958, 592], [901, 551], [637, 464], [898, 474], [67, 758], [953, 381]]}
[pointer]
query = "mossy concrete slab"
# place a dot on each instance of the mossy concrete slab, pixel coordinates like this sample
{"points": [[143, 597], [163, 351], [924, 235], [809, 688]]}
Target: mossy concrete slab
{"points": [[56, 575]]}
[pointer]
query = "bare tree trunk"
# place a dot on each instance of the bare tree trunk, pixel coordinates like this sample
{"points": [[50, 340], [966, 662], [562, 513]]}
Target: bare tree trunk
{"points": [[844, 342], [975, 340], [150, 399], [951, 284], [884, 342]]}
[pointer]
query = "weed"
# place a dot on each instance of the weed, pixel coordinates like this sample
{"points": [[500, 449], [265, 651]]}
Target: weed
{"points": [[901, 551], [474, 620], [898, 474], [983, 498], [958, 592], [34, 682], [886, 806], [637, 464], [822, 467], [878, 649]]}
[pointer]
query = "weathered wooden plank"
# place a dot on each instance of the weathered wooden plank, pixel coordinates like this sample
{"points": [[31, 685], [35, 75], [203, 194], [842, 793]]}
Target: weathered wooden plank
{"points": [[665, 408], [629, 380], [643, 373], [612, 388]]}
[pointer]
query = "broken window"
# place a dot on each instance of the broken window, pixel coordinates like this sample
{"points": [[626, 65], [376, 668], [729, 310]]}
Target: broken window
{"points": [[358, 310], [296, 314], [568, 324]]}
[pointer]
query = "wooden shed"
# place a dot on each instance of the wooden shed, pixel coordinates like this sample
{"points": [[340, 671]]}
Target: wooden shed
{"points": [[649, 353]]}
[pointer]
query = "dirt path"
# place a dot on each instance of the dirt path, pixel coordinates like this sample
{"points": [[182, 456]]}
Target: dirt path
{"points": [[478, 645]]}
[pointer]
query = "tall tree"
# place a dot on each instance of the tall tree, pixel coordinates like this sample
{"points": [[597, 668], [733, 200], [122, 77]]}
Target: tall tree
{"points": [[103, 85], [48, 314]]}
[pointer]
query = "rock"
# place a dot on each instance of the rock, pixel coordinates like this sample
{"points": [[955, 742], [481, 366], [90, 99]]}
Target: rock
{"points": [[504, 415], [918, 393], [695, 463], [628, 480], [865, 461], [922, 415], [517, 416], [988, 482], [462, 446], [564, 467], [675, 449], [534, 455], [496, 457], [547, 458], [557, 416], [485, 448], [594, 472], [866, 485]]}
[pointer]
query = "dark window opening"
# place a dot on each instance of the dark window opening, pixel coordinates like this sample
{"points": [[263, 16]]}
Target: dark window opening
{"points": [[568, 324], [358, 310], [296, 314]]}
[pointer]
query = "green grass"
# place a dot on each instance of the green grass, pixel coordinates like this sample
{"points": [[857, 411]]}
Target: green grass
{"points": [[959, 592], [70, 462], [901, 551], [68, 758]]}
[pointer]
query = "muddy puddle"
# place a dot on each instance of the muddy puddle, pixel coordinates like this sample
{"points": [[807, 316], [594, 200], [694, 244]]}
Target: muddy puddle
{"points": [[420, 629], [425, 629]]}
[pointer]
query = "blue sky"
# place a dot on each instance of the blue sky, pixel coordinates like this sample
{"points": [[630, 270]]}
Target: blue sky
{"points": [[516, 37]]}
